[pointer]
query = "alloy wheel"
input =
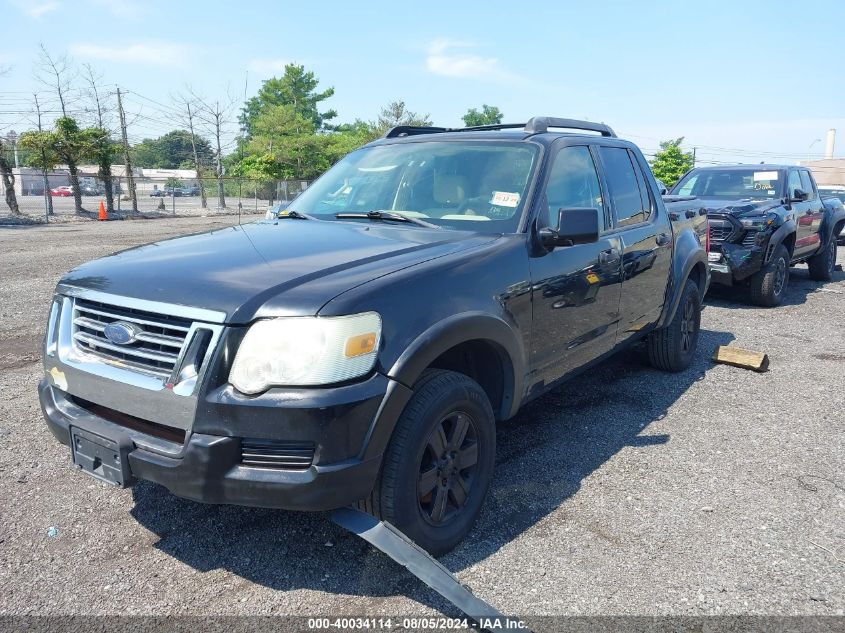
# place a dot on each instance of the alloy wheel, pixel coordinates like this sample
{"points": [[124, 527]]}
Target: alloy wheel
{"points": [[447, 469]]}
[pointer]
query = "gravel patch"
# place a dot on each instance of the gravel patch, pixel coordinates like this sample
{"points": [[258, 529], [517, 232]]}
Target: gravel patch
{"points": [[627, 491]]}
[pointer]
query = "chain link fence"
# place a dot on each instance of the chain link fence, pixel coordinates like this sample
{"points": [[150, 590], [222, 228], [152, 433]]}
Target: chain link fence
{"points": [[155, 196]]}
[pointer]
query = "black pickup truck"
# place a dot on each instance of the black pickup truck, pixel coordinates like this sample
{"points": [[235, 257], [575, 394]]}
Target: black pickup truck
{"points": [[360, 347], [764, 219]]}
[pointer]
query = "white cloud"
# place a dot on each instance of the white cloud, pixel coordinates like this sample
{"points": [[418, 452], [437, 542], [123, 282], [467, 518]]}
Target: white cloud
{"points": [[147, 53], [445, 61], [37, 8], [264, 66]]}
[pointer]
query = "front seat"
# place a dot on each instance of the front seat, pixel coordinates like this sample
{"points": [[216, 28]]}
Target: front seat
{"points": [[449, 194]]}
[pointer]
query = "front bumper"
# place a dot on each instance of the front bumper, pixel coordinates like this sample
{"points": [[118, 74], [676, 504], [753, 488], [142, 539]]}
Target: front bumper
{"points": [[735, 263], [207, 467]]}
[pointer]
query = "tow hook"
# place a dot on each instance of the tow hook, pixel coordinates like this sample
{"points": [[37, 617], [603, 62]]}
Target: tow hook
{"points": [[416, 560]]}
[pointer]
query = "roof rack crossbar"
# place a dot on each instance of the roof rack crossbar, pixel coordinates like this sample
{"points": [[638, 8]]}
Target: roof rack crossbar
{"points": [[492, 126], [540, 124]]}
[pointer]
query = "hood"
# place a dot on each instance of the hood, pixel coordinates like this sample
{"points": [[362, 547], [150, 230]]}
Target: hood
{"points": [[741, 207], [237, 270]]}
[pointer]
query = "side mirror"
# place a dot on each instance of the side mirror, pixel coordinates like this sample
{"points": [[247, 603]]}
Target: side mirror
{"points": [[575, 226], [799, 195], [664, 191]]}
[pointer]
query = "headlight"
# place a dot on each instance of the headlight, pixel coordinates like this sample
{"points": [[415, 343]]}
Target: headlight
{"points": [[306, 351], [758, 222]]}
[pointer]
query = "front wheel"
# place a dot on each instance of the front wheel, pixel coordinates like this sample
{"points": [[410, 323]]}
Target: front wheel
{"points": [[823, 264], [439, 463], [768, 285], [672, 347]]}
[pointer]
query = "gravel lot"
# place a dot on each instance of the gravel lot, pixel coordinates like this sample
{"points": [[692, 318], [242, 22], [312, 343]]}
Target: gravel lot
{"points": [[627, 491]]}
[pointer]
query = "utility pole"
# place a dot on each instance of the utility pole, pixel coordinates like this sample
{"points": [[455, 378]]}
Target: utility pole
{"points": [[693, 156], [196, 155], [48, 199], [127, 161]]}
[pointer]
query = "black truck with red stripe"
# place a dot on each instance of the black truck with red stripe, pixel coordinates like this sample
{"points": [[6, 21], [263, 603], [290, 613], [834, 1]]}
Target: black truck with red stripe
{"points": [[763, 220]]}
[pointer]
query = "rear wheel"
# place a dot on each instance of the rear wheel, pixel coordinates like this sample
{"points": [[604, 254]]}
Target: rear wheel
{"points": [[672, 347], [439, 462], [768, 285], [822, 264]]}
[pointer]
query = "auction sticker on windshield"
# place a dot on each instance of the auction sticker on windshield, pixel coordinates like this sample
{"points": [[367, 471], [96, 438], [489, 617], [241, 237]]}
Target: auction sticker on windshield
{"points": [[765, 175], [505, 199]]}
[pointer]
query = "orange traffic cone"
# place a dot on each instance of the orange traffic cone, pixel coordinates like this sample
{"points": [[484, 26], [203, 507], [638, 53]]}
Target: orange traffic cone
{"points": [[102, 215]]}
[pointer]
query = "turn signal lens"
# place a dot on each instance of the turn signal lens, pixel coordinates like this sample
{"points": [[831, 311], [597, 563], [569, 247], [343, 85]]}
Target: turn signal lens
{"points": [[361, 344]]}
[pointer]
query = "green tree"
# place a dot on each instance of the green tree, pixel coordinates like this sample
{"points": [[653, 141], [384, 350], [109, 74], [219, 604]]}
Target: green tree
{"points": [[103, 150], [671, 162], [489, 115], [396, 113], [296, 88], [173, 150]]}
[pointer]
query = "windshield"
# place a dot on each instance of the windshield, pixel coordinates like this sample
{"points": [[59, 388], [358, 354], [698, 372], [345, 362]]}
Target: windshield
{"points": [[472, 185], [731, 183]]}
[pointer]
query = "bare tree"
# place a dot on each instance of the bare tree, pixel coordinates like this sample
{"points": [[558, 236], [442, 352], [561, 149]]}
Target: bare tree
{"points": [[127, 156], [102, 121], [217, 117], [57, 73], [189, 104], [48, 199]]}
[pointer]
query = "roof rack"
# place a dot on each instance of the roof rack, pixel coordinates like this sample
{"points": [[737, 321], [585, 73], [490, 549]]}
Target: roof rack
{"points": [[540, 124], [535, 125]]}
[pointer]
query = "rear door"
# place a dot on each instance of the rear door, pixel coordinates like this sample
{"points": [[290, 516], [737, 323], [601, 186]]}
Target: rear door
{"points": [[575, 289], [646, 240]]}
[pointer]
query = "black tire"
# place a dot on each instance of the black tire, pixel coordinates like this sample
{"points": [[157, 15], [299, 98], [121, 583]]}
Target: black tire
{"points": [[672, 347], [768, 285], [443, 402], [823, 264]]}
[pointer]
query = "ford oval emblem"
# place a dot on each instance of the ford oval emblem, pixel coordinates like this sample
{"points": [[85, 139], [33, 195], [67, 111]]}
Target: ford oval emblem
{"points": [[121, 332]]}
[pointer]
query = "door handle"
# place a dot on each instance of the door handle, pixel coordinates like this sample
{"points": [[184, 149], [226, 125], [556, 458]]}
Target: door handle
{"points": [[663, 239], [610, 257]]}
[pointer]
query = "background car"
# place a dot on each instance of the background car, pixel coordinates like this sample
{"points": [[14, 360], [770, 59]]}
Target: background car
{"points": [[61, 192]]}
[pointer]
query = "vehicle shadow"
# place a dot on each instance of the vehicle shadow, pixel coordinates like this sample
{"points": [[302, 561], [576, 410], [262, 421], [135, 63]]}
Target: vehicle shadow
{"points": [[799, 288], [543, 454]]}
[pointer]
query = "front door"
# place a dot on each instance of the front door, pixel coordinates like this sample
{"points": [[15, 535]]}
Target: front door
{"points": [[575, 289], [802, 212]]}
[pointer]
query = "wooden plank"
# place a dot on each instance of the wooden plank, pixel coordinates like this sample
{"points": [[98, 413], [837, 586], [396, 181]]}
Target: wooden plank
{"points": [[744, 358]]}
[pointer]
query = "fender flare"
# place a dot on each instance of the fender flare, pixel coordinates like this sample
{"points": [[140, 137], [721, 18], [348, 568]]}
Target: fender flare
{"points": [[828, 224], [461, 328], [694, 255], [786, 229], [425, 348]]}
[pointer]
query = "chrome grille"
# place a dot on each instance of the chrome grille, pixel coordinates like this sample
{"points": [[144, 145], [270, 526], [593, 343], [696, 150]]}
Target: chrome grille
{"points": [[157, 345]]}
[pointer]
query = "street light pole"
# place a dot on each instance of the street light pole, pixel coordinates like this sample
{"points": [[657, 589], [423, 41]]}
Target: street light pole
{"points": [[818, 140]]}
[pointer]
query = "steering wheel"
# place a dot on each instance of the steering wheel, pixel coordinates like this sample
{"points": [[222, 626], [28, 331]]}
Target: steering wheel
{"points": [[480, 201]]}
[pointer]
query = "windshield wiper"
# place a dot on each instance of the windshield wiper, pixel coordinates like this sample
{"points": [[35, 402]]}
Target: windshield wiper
{"points": [[387, 215], [296, 215]]}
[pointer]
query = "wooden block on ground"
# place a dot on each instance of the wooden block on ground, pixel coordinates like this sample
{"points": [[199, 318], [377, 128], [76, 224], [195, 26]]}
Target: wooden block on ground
{"points": [[744, 358]]}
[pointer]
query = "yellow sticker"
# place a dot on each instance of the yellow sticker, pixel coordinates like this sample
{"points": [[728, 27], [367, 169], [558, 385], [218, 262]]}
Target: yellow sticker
{"points": [[59, 378], [592, 277]]}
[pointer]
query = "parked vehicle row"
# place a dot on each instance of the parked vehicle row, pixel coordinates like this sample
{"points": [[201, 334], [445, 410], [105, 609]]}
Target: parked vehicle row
{"points": [[175, 192]]}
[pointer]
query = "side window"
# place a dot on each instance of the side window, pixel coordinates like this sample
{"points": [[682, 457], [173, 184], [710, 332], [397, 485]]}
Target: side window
{"points": [[573, 183], [793, 182], [807, 184], [624, 188], [646, 200]]}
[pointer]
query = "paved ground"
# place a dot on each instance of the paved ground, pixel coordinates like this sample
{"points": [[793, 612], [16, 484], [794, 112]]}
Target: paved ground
{"points": [[628, 491]]}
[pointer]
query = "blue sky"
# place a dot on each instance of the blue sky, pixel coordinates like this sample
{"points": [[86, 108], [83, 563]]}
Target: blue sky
{"points": [[742, 81]]}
